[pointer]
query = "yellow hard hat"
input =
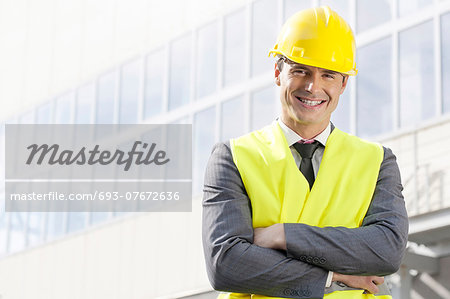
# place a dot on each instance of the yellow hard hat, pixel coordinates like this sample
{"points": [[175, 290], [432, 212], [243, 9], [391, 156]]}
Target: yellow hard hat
{"points": [[318, 37]]}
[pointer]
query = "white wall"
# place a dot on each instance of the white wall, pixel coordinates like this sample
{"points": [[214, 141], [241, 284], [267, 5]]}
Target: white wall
{"points": [[146, 256], [424, 159]]}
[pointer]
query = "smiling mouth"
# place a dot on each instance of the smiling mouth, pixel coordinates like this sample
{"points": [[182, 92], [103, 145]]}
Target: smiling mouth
{"points": [[310, 103]]}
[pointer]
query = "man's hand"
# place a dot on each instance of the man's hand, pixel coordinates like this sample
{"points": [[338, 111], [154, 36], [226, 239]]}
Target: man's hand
{"points": [[270, 237], [368, 283]]}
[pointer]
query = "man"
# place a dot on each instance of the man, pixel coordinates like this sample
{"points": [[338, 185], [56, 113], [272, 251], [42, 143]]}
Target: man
{"points": [[332, 228]]}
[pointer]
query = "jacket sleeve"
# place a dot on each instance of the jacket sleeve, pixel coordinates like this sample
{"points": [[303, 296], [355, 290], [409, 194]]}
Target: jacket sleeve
{"points": [[375, 248], [233, 263]]}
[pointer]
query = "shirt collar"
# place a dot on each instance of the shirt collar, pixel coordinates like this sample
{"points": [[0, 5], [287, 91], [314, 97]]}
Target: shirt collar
{"points": [[292, 137]]}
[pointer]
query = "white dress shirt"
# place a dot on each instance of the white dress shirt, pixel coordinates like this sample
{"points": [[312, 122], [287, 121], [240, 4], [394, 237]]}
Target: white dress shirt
{"points": [[292, 138]]}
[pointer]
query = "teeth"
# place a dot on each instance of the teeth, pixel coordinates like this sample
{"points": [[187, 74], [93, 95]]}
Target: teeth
{"points": [[310, 103]]}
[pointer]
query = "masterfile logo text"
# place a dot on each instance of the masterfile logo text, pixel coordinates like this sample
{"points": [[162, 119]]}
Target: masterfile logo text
{"points": [[98, 167], [54, 156]]}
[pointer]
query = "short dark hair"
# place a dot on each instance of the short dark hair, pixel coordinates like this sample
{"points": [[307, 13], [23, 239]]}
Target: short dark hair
{"points": [[280, 62]]}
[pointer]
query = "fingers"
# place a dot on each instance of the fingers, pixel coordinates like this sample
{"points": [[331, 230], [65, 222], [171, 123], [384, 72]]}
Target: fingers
{"points": [[368, 283], [372, 288], [377, 280], [373, 283]]}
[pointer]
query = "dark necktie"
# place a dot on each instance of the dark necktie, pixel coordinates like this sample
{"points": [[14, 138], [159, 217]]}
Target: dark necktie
{"points": [[306, 151]]}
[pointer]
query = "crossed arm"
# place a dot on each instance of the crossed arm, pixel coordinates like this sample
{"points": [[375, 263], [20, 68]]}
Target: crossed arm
{"points": [[235, 263]]}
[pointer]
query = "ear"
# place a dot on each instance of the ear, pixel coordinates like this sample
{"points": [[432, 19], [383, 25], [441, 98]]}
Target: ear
{"points": [[277, 75], [344, 83]]}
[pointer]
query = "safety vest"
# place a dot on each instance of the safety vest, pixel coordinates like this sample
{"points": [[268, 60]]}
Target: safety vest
{"points": [[279, 192]]}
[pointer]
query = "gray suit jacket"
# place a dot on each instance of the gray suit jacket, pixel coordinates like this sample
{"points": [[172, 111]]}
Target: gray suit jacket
{"points": [[235, 264]]}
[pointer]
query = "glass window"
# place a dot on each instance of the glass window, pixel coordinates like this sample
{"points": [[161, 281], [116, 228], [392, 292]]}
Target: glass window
{"points": [[371, 13], [99, 217], [3, 226], [85, 104], [105, 101], [293, 6], [63, 109], [207, 60], [232, 124], [44, 114], [154, 83], [55, 225], [27, 118], [76, 221], [264, 107], [374, 89], [17, 231], [204, 137], [445, 27], [340, 6], [341, 116], [2, 164], [129, 92], [180, 72], [3, 215], [408, 6], [94, 217], [34, 231], [264, 35], [234, 48], [417, 94]]}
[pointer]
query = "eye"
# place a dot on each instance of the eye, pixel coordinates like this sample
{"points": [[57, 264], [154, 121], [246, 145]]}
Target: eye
{"points": [[329, 76], [298, 72]]}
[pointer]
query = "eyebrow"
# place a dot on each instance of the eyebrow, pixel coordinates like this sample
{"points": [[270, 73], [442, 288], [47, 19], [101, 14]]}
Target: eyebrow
{"points": [[295, 65], [321, 69], [330, 72]]}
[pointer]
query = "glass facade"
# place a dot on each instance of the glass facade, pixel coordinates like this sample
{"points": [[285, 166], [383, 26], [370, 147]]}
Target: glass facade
{"points": [[264, 35], [3, 232], [374, 89], [27, 118], [56, 224], [264, 107], [76, 221], [34, 228], [180, 72], [406, 7], [366, 18], [342, 115], [154, 83], [234, 48], [16, 233], [445, 53], [417, 70], [204, 138], [63, 109], [106, 99], [291, 6], [340, 6], [394, 89], [44, 114], [232, 118], [84, 107], [129, 92], [207, 49]]}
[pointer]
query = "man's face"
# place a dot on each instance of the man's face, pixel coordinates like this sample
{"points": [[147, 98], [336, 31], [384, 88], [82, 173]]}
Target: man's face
{"points": [[308, 94]]}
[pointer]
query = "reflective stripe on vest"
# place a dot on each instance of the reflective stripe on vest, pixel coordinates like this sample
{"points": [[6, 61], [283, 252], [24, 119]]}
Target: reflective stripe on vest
{"points": [[279, 193]]}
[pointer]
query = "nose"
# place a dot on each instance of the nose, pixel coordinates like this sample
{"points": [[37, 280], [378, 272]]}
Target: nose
{"points": [[312, 84]]}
